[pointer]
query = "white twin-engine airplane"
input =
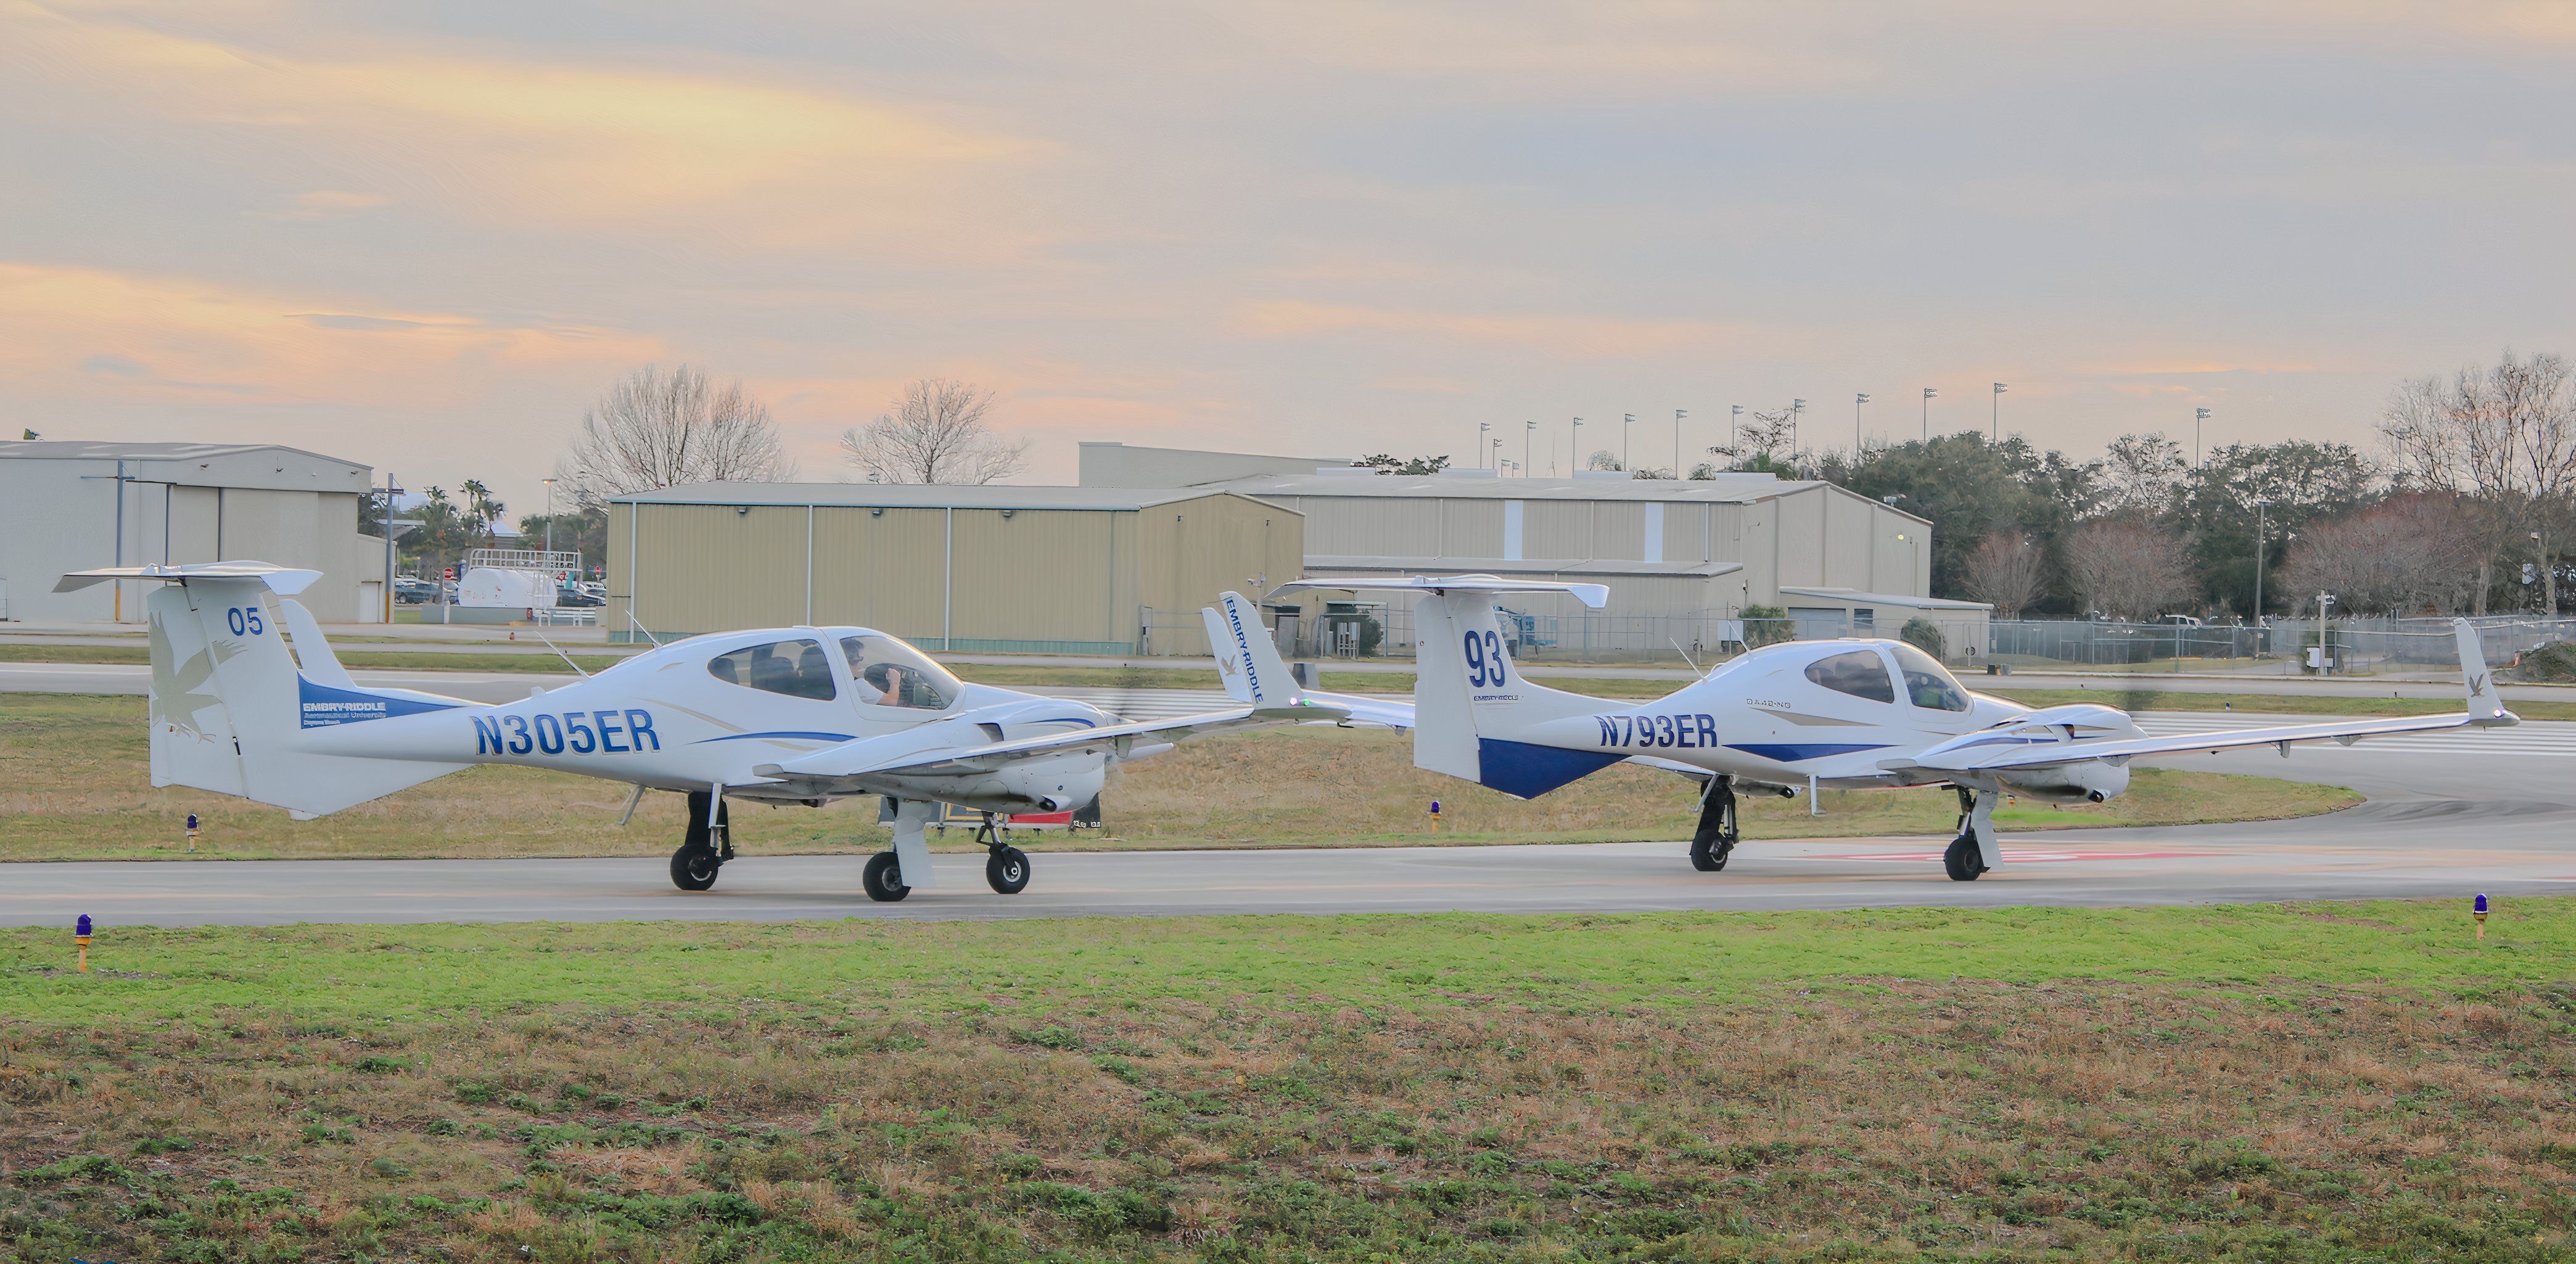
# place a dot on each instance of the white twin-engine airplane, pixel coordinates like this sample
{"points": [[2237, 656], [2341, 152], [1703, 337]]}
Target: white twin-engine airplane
{"points": [[779, 715], [1845, 714]]}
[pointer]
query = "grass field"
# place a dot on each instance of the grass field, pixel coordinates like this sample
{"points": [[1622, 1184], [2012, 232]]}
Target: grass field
{"points": [[2343, 1082], [75, 784]]}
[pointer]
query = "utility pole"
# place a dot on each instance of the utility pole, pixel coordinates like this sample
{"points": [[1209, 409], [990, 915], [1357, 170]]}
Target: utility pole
{"points": [[2548, 575], [2198, 415], [392, 491], [1997, 434], [1928, 393], [1573, 440], [2259, 506], [1857, 401], [1678, 414]]}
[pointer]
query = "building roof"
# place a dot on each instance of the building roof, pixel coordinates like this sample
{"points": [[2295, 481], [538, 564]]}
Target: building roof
{"points": [[1858, 598], [1321, 566], [923, 496], [88, 450], [1726, 489]]}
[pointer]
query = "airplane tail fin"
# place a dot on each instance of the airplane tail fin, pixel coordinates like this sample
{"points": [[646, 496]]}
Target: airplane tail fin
{"points": [[231, 711], [1247, 660], [2486, 706], [1476, 717]]}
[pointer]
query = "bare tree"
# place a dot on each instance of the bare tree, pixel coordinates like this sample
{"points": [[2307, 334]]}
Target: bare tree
{"points": [[936, 434], [1769, 444], [654, 429], [2503, 431], [2005, 572], [2142, 472], [2126, 566], [2411, 553]]}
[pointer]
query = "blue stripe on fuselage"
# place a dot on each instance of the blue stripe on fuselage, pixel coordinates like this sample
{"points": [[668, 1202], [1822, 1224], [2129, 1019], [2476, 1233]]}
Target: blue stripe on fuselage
{"points": [[1792, 752], [1524, 771]]}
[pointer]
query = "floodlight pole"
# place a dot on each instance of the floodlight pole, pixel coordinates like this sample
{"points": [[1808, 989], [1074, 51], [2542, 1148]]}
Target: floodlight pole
{"points": [[1481, 428], [2198, 415], [1573, 440], [1928, 393], [1627, 424], [1996, 432], [1857, 401], [1678, 414], [1530, 430], [391, 491]]}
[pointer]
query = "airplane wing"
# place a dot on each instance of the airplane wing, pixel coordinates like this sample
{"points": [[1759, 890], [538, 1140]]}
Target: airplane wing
{"points": [[2006, 747], [2011, 751], [846, 762]]}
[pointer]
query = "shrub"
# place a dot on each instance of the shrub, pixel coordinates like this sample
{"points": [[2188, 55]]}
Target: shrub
{"points": [[1924, 635], [1766, 625]]}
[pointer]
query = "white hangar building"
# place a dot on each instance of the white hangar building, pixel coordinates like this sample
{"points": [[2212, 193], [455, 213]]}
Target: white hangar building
{"points": [[1838, 562], [68, 506]]}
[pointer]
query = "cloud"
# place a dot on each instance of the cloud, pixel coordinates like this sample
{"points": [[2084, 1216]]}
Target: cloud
{"points": [[321, 204], [571, 145], [174, 338], [1565, 335]]}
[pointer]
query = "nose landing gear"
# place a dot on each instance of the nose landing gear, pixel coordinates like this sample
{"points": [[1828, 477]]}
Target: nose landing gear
{"points": [[1717, 834], [705, 847]]}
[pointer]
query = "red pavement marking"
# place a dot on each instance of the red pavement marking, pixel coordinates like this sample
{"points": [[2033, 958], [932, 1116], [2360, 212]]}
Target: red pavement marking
{"points": [[2017, 855]]}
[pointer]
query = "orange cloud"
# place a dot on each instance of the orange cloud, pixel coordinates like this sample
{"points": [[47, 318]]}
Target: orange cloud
{"points": [[108, 334], [569, 144]]}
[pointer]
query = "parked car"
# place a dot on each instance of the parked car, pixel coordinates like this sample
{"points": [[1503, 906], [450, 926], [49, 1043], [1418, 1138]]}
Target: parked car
{"points": [[411, 590], [578, 595], [2177, 620]]}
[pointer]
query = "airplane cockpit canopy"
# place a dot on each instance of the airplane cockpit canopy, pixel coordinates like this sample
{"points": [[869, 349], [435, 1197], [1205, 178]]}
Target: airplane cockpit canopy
{"points": [[1927, 683], [892, 674], [797, 668]]}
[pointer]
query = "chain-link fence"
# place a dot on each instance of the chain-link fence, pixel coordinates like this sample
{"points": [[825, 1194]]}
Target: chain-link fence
{"points": [[2286, 647]]}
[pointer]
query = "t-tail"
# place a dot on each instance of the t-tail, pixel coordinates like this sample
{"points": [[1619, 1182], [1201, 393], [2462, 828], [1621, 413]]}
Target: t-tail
{"points": [[231, 711], [1476, 717], [1247, 660]]}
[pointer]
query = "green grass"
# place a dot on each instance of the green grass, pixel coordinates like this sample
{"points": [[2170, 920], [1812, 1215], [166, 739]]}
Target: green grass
{"points": [[75, 784], [2280, 1083]]}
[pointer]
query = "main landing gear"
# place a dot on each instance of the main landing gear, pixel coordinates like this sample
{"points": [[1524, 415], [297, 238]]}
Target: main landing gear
{"points": [[1974, 850], [705, 848], [1717, 834], [1006, 868]]}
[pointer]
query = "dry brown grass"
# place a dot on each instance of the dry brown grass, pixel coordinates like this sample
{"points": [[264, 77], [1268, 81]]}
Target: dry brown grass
{"points": [[2087, 1119]]}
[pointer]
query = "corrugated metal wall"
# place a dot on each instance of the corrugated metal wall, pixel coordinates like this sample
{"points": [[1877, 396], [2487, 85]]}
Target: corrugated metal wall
{"points": [[705, 568], [881, 569], [1039, 575], [1190, 551]]}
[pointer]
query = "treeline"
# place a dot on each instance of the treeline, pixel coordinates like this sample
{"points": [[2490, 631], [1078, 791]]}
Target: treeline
{"points": [[2463, 509]]}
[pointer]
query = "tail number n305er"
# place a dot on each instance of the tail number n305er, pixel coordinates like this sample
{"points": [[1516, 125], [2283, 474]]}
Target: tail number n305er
{"points": [[581, 732]]}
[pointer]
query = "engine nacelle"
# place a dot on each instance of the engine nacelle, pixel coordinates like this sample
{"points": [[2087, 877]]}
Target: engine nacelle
{"points": [[1037, 785], [2090, 782]]}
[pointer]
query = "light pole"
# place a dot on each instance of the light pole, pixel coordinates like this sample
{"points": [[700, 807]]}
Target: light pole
{"points": [[391, 491], [550, 513], [1481, 428], [1678, 414], [1797, 409], [1735, 427], [1928, 393], [1627, 422], [1497, 455], [1857, 401], [2260, 505], [1573, 440], [2198, 415], [1997, 435], [1525, 447]]}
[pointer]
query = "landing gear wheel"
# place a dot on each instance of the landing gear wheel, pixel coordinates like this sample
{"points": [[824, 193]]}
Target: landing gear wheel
{"points": [[1963, 861], [1709, 855], [1007, 870], [1717, 834], [693, 867], [882, 878]]}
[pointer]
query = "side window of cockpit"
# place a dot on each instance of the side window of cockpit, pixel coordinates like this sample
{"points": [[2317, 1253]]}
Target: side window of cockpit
{"points": [[1927, 683], [797, 669], [1859, 673]]}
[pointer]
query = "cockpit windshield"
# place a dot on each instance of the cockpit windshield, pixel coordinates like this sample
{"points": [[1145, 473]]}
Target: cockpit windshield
{"points": [[892, 674], [1927, 683]]}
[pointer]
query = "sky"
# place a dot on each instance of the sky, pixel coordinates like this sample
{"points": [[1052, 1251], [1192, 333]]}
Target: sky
{"points": [[427, 237]]}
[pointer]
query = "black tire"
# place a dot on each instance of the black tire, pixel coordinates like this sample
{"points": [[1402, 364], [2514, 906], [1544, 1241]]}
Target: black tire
{"points": [[1963, 861], [1006, 870], [1708, 855], [693, 867], [881, 878]]}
